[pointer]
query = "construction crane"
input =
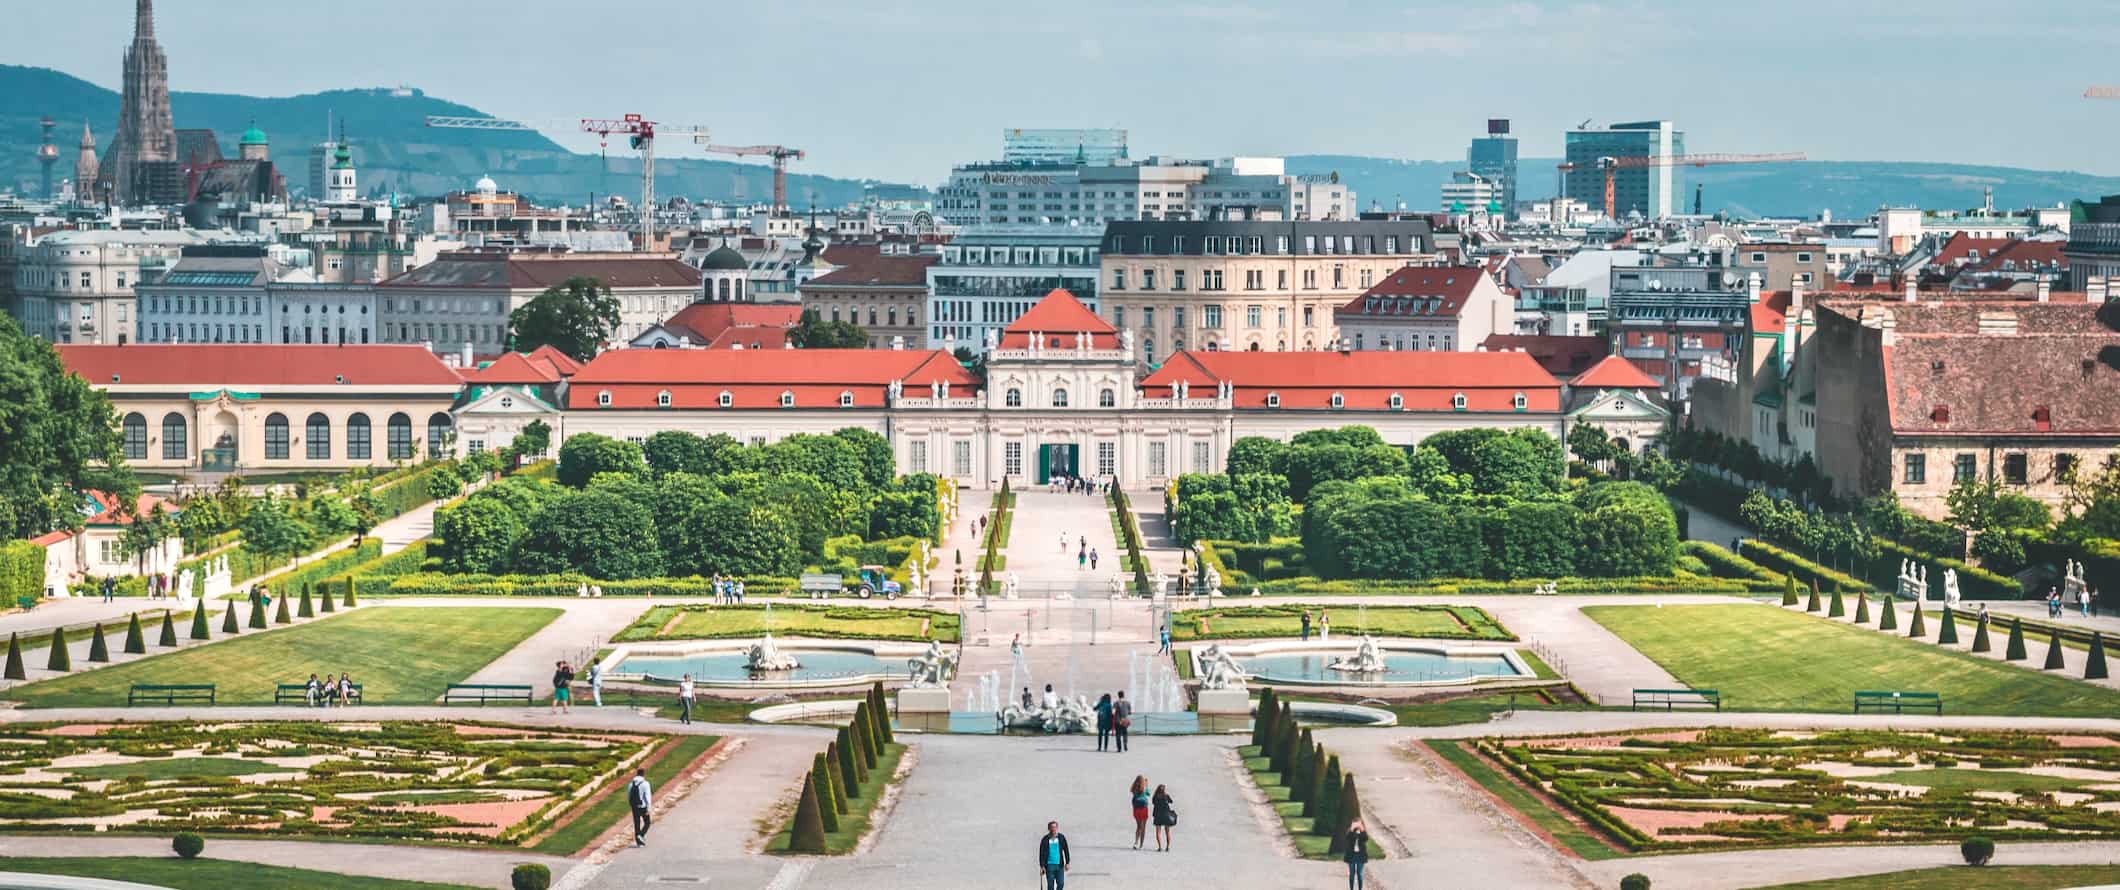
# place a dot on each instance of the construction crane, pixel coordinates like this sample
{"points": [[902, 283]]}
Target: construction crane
{"points": [[779, 153], [639, 131], [2102, 92], [1611, 166]]}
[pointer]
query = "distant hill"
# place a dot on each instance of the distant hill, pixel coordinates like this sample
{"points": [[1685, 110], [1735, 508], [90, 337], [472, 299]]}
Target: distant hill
{"points": [[393, 147], [1851, 189]]}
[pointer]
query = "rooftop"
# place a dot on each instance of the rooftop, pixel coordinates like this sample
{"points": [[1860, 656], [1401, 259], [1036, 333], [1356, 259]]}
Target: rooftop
{"points": [[226, 365]]}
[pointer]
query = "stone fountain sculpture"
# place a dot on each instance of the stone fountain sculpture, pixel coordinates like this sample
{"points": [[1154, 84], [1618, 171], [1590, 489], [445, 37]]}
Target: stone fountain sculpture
{"points": [[931, 669], [1219, 669], [767, 657], [1950, 588], [1066, 716], [1367, 659]]}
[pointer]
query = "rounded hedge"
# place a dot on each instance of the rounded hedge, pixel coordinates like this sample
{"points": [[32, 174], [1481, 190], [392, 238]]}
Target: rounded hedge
{"points": [[1977, 850], [188, 845], [1636, 881], [530, 876]]}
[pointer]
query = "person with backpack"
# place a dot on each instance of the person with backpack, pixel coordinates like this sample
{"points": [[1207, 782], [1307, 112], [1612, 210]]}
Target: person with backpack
{"points": [[1166, 817], [639, 797], [1122, 719]]}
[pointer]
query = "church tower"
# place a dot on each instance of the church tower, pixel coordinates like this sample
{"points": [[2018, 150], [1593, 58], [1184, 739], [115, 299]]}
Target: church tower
{"points": [[85, 168], [146, 132], [338, 183]]}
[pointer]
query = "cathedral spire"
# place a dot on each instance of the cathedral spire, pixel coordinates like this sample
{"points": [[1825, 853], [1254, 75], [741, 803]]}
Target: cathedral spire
{"points": [[144, 20]]}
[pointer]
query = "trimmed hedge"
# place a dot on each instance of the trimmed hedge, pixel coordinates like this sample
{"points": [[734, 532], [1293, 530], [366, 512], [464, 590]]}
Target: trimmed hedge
{"points": [[1724, 564], [438, 584], [335, 564], [21, 571], [1450, 586], [1974, 582], [1804, 570]]}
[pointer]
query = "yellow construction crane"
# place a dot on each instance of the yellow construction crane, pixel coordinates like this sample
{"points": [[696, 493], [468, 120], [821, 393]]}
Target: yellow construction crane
{"points": [[780, 154]]}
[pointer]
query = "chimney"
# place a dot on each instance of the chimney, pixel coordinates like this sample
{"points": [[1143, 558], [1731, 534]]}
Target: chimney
{"points": [[2042, 290], [1912, 291], [1752, 286], [467, 355], [1791, 325], [898, 342], [2094, 291]]}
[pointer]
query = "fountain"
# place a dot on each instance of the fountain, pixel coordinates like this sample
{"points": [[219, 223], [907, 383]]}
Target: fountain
{"points": [[765, 656], [1367, 659]]}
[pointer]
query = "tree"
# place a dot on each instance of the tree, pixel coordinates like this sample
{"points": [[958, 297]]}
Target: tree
{"points": [[169, 631], [198, 621], [585, 455], [1345, 814], [675, 451], [872, 453], [1591, 444], [1262, 725], [1626, 539], [271, 530], [534, 440], [58, 439], [575, 317], [807, 833], [596, 533], [811, 331], [1533, 539], [476, 536], [732, 536], [1329, 798], [1253, 454]]}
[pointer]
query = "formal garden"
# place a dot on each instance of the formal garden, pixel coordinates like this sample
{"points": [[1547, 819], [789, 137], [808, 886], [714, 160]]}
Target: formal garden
{"points": [[847, 785], [1303, 782], [1685, 789], [479, 784], [1247, 622], [705, 622]]}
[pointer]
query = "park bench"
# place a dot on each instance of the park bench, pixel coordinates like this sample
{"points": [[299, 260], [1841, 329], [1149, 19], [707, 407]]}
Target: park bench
{"points": [[298, 693], [821, 585], [1671, 699], [1898, 702], [485, 692], [169, 694]]}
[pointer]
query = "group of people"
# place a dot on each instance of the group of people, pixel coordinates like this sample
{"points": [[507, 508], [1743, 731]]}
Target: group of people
{"points": [[1114, 718], [1156, 807], [1085, 555], [2086, 603], [727, 591], [1324, 625], [1060, 484], [328, 691], [562, 687]]}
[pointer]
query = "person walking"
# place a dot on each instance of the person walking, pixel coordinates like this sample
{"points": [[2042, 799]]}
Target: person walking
{"points": [[1063, 543], [1324, 626], [2090, 596], [1122, 718], [1357, 855], [1139, 792], [1081, 558], [596, 684], [1163, 635], [1015, 649], [1104, 721], [639, 797], [562, 675], [1092, 559], [2083, 602], [1166, 817], [1028, 701], [1306, 625], [684, 698], [1053, 859], [110, 587]]}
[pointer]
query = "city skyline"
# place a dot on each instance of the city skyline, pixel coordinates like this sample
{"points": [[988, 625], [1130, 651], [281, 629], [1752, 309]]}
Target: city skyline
{"points": [[888, 92]]}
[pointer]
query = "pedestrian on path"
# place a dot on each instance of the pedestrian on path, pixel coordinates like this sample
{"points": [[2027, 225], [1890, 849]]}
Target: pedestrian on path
{"points": [[1164, 633], [1122, 718], [1104, 721], [1357, 856], [1166, 817], [684, 697], [1306, 625], [1092, 559], [1324, 626], [562, 676], [2083, 602], [1063, 543], [109, 587], [1139, 792], [1053, 859], [596, 684], [640, 797], [1081, 559], [2090, 595]]}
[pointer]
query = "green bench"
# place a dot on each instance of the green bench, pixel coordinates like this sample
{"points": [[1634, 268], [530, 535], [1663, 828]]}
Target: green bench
{"points": [[298, 693], [1898, 702], [485, 692], [1671, 699], [169, 694]]}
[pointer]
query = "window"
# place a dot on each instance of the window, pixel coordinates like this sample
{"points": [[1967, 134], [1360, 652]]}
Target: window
{"points": [[399, 437], [962, 456], [176, 437], [2016, 469], [438, 431], [1013, 398], [1060, 397], [846, 399], [1211, 316], [1759, 257], [357, 447], [1158, 459], [1118, 279], [1964, 468], [787, 399], [1177, 279], [1519, 402], [1107, 398], [1803, 257], [662, 399], [1203, 456], [603, 399], [1012, 458], [1917, 470], [1273, 400], [1251, 316], [1280, 279], [1398, 402], [316, 437], [917, 459], [1457, 402], [1309, 316], [276, 436], [2065, 468], [135, 436], [725, 399], [1107, 458], [1148, 279]]}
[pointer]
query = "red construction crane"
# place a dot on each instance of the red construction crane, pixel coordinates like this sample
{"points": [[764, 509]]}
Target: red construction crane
{"points": [[1611, 165], [779, 153]]}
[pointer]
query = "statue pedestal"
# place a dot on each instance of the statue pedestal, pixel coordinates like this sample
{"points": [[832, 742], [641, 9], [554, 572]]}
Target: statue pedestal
{"points": [[1224, 710], [925, 710]]}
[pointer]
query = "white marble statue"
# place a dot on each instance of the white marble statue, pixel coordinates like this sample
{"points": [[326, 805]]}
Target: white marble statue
{"points": [[767, 657], [1214, 582], [582, 590], [1367, 658], [1950, 588], [1162, 583], [1254, 591], [2072, 582], [1219, 670], [931, 670], [1118, 586], [1054, 716], [1014, 585]]}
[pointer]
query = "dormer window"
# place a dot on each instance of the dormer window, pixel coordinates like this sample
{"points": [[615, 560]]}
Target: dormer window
{"points": [[1457, 402], [1273, 400], [1339, 401], [2042, 418], [846, 399], [787, 399], [1520, 402], [662, 399], [1398, 402], [603, 399], [725, 399]]}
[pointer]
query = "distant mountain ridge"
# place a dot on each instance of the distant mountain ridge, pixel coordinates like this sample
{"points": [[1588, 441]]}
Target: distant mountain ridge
{"points": [[393, 148]]}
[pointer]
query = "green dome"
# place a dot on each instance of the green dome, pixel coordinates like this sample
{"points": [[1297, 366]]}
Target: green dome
{"points": [[254, 136]]}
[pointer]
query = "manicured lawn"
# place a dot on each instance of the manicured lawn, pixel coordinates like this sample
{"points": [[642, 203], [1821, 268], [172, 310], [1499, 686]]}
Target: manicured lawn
{"points": [[1472, 709], [1959, 779], [861, 807], [1435, 622], [1766, 659], [177, 768], [1571, 835], [700, 622], [1993, 877], [586, 827], [209, 874], [399, 655]]}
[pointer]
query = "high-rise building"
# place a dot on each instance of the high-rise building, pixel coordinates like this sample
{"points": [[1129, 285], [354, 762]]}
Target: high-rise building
{"points": [[1651, 190], [1022, 146], [48, 155], [1493, 158], [146, 133], [997, 193]]}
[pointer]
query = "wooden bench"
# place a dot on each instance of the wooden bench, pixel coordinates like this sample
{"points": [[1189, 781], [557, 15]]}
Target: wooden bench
{"points": [[1671, 699], [298, 693], [485, 692], [169, 694], [1898, 702]]}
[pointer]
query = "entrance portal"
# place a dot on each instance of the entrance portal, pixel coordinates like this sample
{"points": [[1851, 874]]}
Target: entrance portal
{"points": [[1058, 460]]}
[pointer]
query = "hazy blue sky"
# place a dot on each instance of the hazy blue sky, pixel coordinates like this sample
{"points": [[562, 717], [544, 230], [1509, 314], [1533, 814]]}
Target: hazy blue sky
{"points": [[901, 90]]}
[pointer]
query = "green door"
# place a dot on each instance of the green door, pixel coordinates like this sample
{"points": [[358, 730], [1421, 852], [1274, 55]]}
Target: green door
{"points": [[1057, 460]]}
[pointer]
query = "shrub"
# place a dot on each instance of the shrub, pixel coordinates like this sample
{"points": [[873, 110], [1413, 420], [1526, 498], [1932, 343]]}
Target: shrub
{"points": [[135, 641], [1948, 634], [1777, 559], [1811, 605], [98, 650], [1977, 850], [1345, 813], [257, 611], [198, 622], [281, 616], [1635, 881], [1788, 590], [2093, 666], [807, 834], [308, 609], [59, 661], [1916, 628], [1980, 637], [2053, 654], [15, 670], [1888, 620], [1836, 609], [188, 845], [228, 622], [1862, 608], [829, 800], [530, 876]]}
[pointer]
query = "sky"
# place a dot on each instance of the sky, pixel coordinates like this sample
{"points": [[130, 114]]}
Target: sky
{"points": [[901, 90]]}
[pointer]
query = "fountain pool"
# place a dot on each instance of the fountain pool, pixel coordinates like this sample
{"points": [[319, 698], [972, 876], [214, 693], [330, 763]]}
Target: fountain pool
{"points": [[1405, 664], [726, 663]]}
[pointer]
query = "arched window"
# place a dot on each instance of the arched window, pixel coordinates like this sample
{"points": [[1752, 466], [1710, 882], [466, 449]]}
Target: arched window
{"points": [[276, 436], [135, 436], [1107, 398], [662, 399], [603, 399], [787, 399], [893, 315], [725, 399], [1273, 400], [846, 399], [1014, 398], [725, 290], [1397, 401], [1254, 346], [1060, 398], [1213, 346], [1520, 402], [872, 316], [1339, 401], [1457, 402], [1148, 350], [399, 437], [438, 428], [176, 437], [357, 441], [316, 437]]}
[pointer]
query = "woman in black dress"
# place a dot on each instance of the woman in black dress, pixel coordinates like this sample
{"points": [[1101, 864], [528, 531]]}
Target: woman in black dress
{"points": [[1165, 817]]}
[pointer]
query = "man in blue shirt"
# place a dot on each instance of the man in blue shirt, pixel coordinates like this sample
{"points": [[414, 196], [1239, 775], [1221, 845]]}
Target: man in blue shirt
{"points": [[1052, 857]]}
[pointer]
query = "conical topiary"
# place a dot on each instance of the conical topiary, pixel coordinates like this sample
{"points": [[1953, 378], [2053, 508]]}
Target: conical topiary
{"points": [[862, 744], [1862, 608], [1284, 746], [1947, 635], [308, 609], [1915, 628], [198, 622], [1811, 605], [807, 834], [280, 615], [228, 623], [2014, 649], [257, 612], [828, 801], [2094, 665], [2053, 654], [1314, 804], [846, 750], [15, 670], [168, 637], [875, 737], [1888, 618], [1788, 590], [325, 602], [1343, 815], [1836, 609], [1980, 637], [883, 708], [98, 651], [349, 602], [879, 722], [1299, 778], [1262, 724], [135, 641], [59, 660], [1323, 822]]}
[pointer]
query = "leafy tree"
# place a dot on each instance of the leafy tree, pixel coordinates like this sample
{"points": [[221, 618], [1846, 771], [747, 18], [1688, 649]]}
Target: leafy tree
{"points": [[873, 453], [1430, 474], [596, 533], [811, 331], [736, 537], [1626, 539], [1253, 454], [534, 440], [675, 451], [1307, 465], [583, 456], [575, 317], [902, 513], [272, 530], [58, 438], [331, 516], [1591, 444], [1533, 539]]}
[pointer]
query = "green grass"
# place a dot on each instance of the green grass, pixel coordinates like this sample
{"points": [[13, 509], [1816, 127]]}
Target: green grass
{"points": [[1955, 779], [1574, 837], [1301, 828], [860, 808], [399, 655], [209, 874], [699, 622], [1435, 622], [1471, 709], [1993, 877], [1539, 667], [1768, 659], [586, 827], [177, 768]]}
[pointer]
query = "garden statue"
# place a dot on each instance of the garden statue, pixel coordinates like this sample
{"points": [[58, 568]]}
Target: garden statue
{"points": [[2072, 582], [1118, 586], [767, 657], [1015, 584], [931, 670], [1162, 583], [1254, 591], [1950, 588], [1214, 582], [912, 580], [1219, 670], [1064, 716], [1366, 660]]}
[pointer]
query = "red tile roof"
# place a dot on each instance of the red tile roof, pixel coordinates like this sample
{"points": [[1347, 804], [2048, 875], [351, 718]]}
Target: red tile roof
{"points": [[1615, 372], [2024, 255], [1426, 291], [1059, 316], [492, 269], [558, 362], [108, 512], [1425, 381], [1561, 356], [1771, 310], [1964, 248], [713, 323], [695, 378], [512, 367], [871, 270], [221, 365]]}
